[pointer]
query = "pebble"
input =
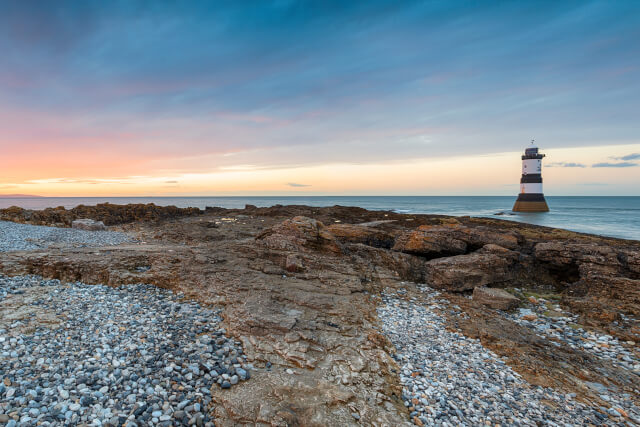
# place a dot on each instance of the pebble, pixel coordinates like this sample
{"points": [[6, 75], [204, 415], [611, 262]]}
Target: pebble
{"points": [[27, 237], [449, 379], [104, 362]]}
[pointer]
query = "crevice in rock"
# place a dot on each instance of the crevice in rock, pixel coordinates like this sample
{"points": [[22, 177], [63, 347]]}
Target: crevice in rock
{"points": [[564, 275]]}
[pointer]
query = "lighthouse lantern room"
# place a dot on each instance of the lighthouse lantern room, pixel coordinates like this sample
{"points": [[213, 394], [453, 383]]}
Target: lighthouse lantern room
{"points": [[531, 198]]}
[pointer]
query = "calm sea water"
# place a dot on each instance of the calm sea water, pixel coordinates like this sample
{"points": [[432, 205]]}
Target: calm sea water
{"points": [[609, 216]]}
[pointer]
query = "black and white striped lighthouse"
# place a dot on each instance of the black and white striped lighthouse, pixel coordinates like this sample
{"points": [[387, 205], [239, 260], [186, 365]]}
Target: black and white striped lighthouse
{"points": [[531, 198]]}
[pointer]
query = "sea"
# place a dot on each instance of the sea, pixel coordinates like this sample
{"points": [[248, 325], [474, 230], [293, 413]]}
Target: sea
{"points": [[602, 215]]}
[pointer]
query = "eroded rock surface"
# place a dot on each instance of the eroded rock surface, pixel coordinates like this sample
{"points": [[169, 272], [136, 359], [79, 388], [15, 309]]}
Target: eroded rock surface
{"points": [[300, 287], [495, 298]]}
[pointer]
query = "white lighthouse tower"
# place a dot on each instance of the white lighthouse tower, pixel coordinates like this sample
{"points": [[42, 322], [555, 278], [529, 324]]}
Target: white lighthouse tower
{"points": [[531, 198]]}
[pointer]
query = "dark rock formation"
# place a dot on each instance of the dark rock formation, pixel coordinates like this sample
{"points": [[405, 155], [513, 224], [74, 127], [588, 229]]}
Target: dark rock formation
{"points": [[107, 213], [492, 265], [430, 242]]}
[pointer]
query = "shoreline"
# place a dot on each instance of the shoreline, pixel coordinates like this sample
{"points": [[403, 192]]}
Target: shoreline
{"points": [[300, 291], [608, 216]]}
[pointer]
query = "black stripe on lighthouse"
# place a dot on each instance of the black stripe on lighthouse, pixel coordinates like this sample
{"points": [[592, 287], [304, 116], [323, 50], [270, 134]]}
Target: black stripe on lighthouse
{"points": [[531, 197], [534, 178]]}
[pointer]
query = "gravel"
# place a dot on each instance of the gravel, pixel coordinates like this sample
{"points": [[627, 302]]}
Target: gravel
{"points": [[549, 320], [452, 380], [132, 355], [26, 237]]}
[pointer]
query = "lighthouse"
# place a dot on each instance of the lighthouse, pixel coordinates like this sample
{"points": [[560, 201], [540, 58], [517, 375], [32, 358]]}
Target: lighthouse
{"points": [[531, 198]]}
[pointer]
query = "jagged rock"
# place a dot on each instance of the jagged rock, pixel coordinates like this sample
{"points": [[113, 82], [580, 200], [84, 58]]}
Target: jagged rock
{"points": [[105, 212], [88, 224], [429, 242], [480, 236], [491, 265], [575, 260], [367, 235], [495, 298], [298, 233], [452, 239]]}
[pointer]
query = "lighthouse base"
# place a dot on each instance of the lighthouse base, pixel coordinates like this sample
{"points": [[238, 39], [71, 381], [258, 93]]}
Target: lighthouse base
{"points": [[530, 203]]}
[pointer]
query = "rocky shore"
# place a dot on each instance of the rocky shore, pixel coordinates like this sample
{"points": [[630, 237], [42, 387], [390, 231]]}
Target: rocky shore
{"points": [[293, 315]]}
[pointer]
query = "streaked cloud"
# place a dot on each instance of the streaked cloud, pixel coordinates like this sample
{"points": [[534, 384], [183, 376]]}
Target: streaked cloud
{"points": [[296, 185], [633, 156], [565, 165], [614, 165]]}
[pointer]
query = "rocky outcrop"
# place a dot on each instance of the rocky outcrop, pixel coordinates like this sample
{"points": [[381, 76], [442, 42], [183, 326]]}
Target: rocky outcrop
{"points": [[479, 236], [107, 213], [491, 265], [432, 241], [358, 233], [88, 224], [429, 242], [498, 299], [582, 258], [301, 296], [298, 234]]}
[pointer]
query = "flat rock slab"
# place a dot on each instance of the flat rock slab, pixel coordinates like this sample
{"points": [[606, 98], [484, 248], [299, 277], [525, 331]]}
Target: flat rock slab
{"points": [[495, 298], [88, 224]]}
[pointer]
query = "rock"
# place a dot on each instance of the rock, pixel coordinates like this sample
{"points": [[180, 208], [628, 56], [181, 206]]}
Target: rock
{"points": [[108, 213], [88, 224], [529, 317], [451, 239], [495, 298], [297, 234], [575, 260], [430, 243], [367, 235], [293, 263], [492, 265]]}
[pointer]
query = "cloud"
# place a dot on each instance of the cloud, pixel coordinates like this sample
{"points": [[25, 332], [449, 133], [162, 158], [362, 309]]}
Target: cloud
{"points": [[294, 184], [171, 182], [129, 180], [360, 74], [632, 156], [565, 165], [614, 165]]}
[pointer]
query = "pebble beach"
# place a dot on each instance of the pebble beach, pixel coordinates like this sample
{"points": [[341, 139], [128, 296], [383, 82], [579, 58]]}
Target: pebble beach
{"points": [[451, 380], [26, 237], [134, 355]]}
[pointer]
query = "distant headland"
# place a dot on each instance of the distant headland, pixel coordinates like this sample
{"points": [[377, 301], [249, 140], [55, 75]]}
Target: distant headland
{"points": [[19, 196]]}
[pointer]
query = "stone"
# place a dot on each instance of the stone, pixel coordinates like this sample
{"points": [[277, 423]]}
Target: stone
{"points": [[491, 265], [363, 234], [293, 263], [429, 243], [495, 298], [88, 224], [298, 234]]}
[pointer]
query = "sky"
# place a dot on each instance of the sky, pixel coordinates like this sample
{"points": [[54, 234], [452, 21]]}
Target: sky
{"points": [[307, 97]]}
